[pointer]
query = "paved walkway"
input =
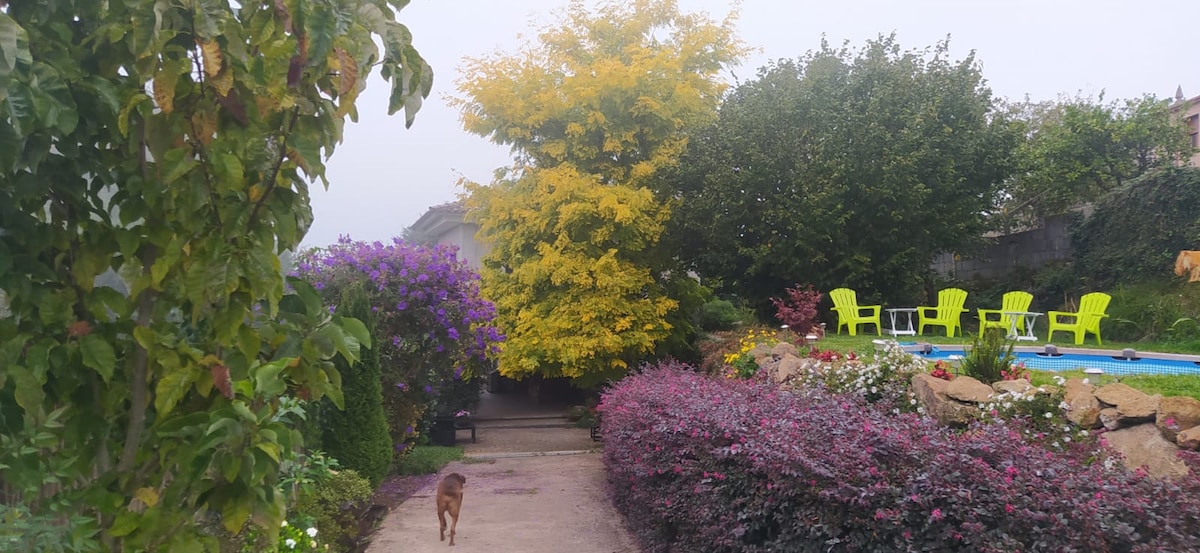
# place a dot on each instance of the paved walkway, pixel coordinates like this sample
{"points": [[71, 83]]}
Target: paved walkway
{"points": [[535, 484]]}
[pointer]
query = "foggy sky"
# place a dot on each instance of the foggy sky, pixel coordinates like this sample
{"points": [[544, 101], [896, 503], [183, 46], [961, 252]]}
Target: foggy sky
{"points": [[383, 177]]}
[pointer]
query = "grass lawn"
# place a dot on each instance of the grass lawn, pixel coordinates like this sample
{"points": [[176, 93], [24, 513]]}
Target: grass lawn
{"points": [[428, 459]]}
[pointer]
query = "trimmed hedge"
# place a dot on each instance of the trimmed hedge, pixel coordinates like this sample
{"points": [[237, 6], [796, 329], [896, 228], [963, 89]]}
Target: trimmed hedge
{"points": [[716, 465], [357, 436]]}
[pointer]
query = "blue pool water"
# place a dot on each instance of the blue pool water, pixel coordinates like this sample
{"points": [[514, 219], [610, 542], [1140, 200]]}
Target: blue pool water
{"points": [[1072, 361]]}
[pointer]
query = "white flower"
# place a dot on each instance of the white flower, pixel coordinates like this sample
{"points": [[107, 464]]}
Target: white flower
{"points": [[1056, 444], [283, 524], [1064, 406], [313, 544], [1083, 433], [1048, 414], [1085, 381], [1060, 380], [921, 410], [291, 543], [912, 401], [1067, 439], [312, 532]]}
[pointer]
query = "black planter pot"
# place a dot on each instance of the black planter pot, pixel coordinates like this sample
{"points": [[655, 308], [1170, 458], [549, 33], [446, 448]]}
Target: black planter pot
{"points": [[441, 432]]}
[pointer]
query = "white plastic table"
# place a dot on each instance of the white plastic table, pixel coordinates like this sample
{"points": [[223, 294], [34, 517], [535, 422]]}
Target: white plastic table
{"points": [[1030, 318], [908, 312]]}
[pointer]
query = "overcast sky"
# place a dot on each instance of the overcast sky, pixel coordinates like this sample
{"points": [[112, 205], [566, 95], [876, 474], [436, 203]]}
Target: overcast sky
{"points": [[383, 177]]}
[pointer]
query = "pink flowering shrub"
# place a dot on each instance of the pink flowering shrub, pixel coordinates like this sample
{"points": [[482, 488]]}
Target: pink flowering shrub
{"points": [[725, 465]]}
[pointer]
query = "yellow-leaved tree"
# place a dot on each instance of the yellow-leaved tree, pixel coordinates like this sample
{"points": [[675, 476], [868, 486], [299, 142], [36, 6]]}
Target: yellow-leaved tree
{"points": [[593, 110]]}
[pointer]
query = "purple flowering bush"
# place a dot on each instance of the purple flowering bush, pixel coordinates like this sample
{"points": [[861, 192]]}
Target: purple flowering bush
{"points": [[725, 465], [433, 329]]}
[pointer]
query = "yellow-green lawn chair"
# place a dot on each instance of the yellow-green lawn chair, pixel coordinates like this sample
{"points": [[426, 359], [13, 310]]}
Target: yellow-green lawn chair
{"points": [[850, 313], [995, 318], [947, 313], [1092, 308]]}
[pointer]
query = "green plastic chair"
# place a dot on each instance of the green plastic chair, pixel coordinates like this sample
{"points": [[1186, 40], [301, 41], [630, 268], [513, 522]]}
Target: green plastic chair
{"points": [[947, 313], [1092, 309], [995, 318], [850, 313]]}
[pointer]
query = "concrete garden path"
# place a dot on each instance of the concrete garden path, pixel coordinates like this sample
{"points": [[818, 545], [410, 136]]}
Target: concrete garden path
{"points": [[535, 484]]}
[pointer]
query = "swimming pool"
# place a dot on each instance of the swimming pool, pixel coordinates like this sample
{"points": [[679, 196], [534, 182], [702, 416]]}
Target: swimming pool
{"points": [[1109, 361]]}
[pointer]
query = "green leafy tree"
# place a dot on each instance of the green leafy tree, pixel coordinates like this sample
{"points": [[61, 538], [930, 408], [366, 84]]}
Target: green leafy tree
{"points": [[1138, 229], [841, 168], [1078, 149], [172, 143], [593, 112]]}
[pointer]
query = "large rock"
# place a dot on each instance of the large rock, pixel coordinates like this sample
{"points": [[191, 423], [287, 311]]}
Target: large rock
{"points": [[1144, 446], [783, 349], [1134, 406], [1189, 439], [1175, 414], [759, 351], [1018, 386], [931, 394], [1083, 408], [1110, 418], [788, 366], [965, 388]]}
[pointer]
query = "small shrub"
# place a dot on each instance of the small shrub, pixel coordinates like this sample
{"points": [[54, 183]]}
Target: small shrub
{"points": [[799, 309], [335, 506], [724, 465], [990, 357], [718, 315]]}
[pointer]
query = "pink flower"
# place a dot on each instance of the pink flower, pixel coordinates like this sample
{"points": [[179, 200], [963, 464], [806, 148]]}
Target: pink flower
{"points": [[937, 514]]}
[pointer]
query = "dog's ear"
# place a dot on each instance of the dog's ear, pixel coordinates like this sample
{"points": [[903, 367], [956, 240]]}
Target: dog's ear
{"points": [[462, 479]]}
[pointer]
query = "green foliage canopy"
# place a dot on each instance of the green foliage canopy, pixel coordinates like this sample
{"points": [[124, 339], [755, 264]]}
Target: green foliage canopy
{"points": [[1078, 149], [842, 168], [593, 112], [172, 142], [1138, 229]]}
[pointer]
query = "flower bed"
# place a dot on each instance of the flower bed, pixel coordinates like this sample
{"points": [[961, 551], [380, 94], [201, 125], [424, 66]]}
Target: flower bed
{"points": [[706, 464]]}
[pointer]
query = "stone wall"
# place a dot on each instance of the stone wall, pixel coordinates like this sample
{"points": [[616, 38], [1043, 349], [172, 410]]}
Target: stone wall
{"points": [[1031, 249]]}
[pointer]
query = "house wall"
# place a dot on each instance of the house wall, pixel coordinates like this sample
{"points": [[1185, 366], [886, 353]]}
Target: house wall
{"points": [[463, 236]]}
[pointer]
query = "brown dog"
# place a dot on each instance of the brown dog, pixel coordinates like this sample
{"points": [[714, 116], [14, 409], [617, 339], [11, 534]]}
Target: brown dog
{"points": [[449, 499]]}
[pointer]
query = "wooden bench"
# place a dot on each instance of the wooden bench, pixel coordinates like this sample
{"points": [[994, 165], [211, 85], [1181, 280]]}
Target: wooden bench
{"points": [[595, 430]]}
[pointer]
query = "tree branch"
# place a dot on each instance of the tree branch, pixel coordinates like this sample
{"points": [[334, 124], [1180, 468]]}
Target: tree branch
{"points": [[291, 125]]}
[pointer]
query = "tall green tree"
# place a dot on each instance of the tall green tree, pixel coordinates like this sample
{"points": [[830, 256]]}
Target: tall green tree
{"points": [[845, 167], [1078, 149], [593, 111], [172, 142]]}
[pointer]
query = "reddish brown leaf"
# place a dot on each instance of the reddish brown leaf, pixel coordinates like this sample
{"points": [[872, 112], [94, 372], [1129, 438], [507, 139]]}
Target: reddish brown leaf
{"points": [[79, 329], [295, 68], [233, 106], [220, 374]]}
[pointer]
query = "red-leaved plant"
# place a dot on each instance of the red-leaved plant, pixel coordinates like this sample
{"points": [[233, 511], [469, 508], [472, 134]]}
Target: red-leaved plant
{"points": [[799, 309], [939, 371], [717, 465]]}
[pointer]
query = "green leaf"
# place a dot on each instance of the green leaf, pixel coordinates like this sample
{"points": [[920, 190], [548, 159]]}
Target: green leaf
{"points": [[98, 354], [236, 513], [267, 380], [249, 342], [28, 393], [145, 337], [175, 164], [355, 328], [229, 171], [125, 524], [55, 308], [231, 465], [176, 380]]}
